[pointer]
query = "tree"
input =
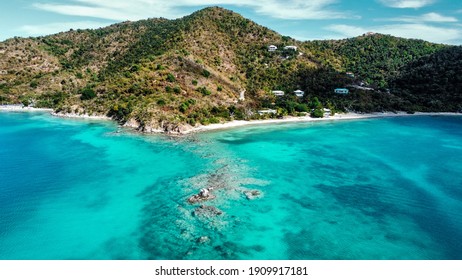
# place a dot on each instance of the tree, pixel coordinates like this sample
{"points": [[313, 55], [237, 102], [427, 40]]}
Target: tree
{"points": [[317, 113]]}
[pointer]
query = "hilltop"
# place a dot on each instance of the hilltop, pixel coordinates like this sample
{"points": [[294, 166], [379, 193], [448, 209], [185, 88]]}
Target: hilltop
{"points": [[168, 74]]}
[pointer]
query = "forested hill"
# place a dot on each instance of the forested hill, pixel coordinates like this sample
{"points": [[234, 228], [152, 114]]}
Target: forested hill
{"points": [[377, 57], [432, 83], [166, 74]]}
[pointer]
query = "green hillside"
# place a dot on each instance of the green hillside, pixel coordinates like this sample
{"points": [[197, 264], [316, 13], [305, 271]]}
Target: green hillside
{"points": [[432, 83]]}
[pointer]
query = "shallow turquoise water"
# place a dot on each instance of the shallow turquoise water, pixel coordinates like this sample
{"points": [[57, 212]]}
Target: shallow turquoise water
{"points": [[364, 189]]}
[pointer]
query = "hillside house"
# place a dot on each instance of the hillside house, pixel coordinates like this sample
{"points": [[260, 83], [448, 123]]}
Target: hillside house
{"points": [[350, 74], [341, 91], [294, 48], [267, 111], [272, 48], [278, 92], [299, 93]]}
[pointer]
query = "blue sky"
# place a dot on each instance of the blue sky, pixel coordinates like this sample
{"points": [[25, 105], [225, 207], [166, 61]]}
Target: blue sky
{"points": [[437, 21]]}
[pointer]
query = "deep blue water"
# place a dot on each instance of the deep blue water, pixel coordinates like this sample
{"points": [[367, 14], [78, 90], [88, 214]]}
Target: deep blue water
{"points": [[364, 189]]}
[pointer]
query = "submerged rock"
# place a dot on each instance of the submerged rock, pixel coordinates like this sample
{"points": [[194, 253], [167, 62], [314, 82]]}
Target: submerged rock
{"points": [[253, 194], [207, 211], [203, 195], [203, 240]]}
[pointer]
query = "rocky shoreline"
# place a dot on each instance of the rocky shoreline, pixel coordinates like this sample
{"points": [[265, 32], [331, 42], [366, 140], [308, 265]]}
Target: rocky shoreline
{"points": [[84, 116]]}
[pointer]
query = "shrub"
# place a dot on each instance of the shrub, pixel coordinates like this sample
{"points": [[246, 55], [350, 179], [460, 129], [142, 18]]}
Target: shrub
{"points": [[214, 120], [87, 93], [33, 84], [205, 73], [192, 121], [194, 82], [135, 68], [24, 100], [177, 90], [205, 121], [183, 107], [171, 78], [120, 111], [204, 91], [301, 108], [317, 113]]}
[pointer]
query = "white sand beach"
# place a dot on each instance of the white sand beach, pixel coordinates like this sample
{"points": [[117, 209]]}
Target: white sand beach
{"points": [[336, 117]]}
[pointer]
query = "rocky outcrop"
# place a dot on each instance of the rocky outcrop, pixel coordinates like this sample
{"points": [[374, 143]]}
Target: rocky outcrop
{"points": [[203, 195], [207, 211], [253, 194]]}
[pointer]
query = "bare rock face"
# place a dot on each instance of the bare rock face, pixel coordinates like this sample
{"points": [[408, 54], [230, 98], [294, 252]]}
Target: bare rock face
{"points": [[207, 211], [203, 195], [253, 194], [132, 123]]}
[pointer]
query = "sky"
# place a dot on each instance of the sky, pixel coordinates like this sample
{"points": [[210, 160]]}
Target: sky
{"points": [[438, 21]]}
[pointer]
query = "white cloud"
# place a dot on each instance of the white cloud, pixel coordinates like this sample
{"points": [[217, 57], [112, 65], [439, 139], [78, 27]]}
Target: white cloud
{"points": [[75, 10], [430, 17], [346, 31], [407, 3], [426, 32], [51, 28], [141, 9]]}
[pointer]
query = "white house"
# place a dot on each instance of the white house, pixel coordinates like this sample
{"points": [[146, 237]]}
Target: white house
{"points": [[278, 92], [294, 48], [268, 111], [272, 48], [350, 74], [299, 93], [341, 91]]}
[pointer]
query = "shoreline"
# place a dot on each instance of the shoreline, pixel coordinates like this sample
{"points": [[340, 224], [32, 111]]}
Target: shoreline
{"points": [[336, 117], [231, 124], [21, 108], [77, 116]]}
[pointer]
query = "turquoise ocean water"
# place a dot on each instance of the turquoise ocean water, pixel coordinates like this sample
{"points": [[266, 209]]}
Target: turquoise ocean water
{"points": [[363, 189]]}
